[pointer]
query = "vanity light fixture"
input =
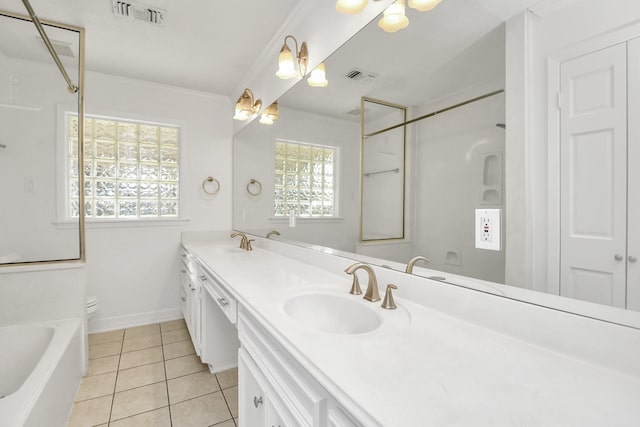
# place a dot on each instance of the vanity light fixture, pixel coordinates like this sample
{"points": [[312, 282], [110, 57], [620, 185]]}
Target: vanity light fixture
{"points": [[351, 7], [270, 114], [318, 77], [423, 5], [286, 65], [394, 17], [246, 106]]}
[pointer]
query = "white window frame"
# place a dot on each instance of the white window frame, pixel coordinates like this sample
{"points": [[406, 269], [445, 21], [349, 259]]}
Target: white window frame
{"points": [[336, 184], [64, 220]]}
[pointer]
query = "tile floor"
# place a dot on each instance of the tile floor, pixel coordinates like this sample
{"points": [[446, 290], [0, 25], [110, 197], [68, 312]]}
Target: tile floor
{"points": [[150, 376]]}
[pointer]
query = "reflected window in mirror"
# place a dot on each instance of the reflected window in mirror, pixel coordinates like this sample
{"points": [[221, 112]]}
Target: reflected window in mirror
{"points": [[131, 169], [305, 180]]}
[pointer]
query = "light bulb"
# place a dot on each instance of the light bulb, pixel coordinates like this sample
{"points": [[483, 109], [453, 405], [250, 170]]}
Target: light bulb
{"points": [[351, 7], [423, 5], [394, 18], [318, 77]]}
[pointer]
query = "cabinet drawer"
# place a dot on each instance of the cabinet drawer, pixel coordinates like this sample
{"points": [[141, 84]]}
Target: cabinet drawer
{"points": [[227, 303]]}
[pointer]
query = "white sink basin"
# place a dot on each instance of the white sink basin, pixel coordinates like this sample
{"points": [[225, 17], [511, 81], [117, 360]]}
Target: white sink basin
{"points": [[333, 313]]}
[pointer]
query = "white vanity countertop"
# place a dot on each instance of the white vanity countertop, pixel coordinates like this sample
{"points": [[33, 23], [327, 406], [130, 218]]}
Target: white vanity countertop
{"points": [[437, 370]]}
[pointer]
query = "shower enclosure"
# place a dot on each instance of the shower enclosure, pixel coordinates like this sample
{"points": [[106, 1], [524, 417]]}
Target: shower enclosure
{"points": [[41, 117]]}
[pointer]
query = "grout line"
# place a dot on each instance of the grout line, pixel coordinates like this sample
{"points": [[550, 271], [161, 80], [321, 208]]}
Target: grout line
{"points": [[166, 380], [113, 396], [224, 397]]}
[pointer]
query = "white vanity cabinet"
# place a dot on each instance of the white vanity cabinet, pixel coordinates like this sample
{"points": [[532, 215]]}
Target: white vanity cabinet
{"points": [[275, 390], [190, 298], [210, 314]]}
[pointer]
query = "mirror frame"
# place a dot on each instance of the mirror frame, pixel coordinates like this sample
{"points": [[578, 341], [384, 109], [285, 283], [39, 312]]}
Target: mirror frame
{"points": [[81, 105]]}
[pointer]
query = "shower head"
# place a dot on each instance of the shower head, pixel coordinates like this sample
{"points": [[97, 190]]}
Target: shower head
{"points": [[501, 125]]}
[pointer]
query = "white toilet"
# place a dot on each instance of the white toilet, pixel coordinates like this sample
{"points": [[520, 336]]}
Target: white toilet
{"points": [[92, 306]]}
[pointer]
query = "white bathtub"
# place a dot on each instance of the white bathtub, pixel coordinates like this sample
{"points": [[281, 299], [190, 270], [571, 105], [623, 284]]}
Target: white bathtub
{"points": [[40, 371]]}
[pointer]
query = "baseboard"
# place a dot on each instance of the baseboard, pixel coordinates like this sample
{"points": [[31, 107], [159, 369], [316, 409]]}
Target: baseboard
{"points": [[130, 320]]}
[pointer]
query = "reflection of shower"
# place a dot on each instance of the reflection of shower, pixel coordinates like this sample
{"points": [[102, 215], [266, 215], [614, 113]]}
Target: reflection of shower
{"points": [[501, 125]]}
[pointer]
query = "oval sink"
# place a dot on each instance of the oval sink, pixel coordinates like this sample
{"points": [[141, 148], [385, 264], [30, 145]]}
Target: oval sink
{"points": [[332, 313]]}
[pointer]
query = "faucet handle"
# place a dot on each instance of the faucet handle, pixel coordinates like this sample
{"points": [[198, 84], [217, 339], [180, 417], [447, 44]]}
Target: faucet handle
{"points": [[248, 244], [355, 286], [388, 302]]}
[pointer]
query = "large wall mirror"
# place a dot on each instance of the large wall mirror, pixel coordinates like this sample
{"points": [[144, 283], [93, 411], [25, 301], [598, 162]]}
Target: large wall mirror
{"points": [[41, 121], [449, 68]]}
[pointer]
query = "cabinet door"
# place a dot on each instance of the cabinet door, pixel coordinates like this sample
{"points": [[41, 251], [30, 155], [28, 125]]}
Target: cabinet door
{"points": [[251, 393], [593, 176]]}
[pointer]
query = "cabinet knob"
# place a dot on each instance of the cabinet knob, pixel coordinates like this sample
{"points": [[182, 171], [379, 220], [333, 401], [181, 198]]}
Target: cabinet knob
{"points": [[257, 402], [618, 257], [632, 258], [203, 277], [222, 301]]}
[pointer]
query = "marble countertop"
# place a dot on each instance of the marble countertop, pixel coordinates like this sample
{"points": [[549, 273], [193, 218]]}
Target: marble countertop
{"points": [[434, 369]]}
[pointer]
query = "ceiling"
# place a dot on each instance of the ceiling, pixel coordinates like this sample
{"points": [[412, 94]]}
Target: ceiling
{"points": [[458, 45], [211, 45], [204, 45]]}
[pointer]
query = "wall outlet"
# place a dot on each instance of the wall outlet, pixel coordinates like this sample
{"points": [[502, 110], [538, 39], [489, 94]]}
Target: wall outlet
{"points": [[488, 235]]}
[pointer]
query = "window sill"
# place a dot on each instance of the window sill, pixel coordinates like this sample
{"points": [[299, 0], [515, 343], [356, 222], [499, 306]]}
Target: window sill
{"points": [[303, 219], [122, 223]]}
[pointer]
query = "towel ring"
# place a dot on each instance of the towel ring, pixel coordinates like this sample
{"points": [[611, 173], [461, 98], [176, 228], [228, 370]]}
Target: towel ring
{"points": [[254, 182], [210, 180]]}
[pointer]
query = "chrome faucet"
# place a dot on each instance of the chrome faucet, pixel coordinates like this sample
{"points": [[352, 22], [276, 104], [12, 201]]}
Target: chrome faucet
{"points": [[273, 233], [372, 293], [245, 243], [413, 261]]}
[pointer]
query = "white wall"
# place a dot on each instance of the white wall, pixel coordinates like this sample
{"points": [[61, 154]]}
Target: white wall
{"points": [[533, 40], [254, 158], [134, 269]]}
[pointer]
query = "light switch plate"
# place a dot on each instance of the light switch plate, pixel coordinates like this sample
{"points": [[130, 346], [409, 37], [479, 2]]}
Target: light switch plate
{"points": [[488, 227]]}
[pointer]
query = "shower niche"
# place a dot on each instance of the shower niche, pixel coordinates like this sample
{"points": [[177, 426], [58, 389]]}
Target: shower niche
{"points": [[41, 117]]}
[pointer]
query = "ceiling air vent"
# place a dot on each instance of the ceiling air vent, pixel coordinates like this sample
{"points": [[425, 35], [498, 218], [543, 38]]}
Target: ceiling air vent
{"points": [[61, 48], [361, 76], [139, 11]]}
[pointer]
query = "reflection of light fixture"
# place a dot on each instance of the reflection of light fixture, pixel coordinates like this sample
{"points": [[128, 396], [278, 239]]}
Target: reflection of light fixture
{"points": [[351, 7], [286, 66], [318, 77], [423, 5], [246, 106], [394, 18], [270, 114]]}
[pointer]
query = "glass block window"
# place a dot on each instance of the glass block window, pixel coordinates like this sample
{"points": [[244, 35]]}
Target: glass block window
{"points": [[131, 169], [304, 179]]}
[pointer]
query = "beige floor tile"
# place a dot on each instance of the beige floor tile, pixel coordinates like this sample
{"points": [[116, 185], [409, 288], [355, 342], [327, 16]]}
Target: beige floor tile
{"points": [[142, 331], [139, 376], [172, 325], [190, 386], [200, 412], [90, 412], [183, 366], [104, 337], [231, 396], [178, 349], [139, 343], [106, 349], [139, 400], [228, 423], [158, 418], [175, 336], [228, 378], [140, 357], [103, 365], [96, 386]]}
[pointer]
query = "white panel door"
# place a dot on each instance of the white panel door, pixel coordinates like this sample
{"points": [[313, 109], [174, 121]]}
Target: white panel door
{"points": [[593, 177], [633, 198]]}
